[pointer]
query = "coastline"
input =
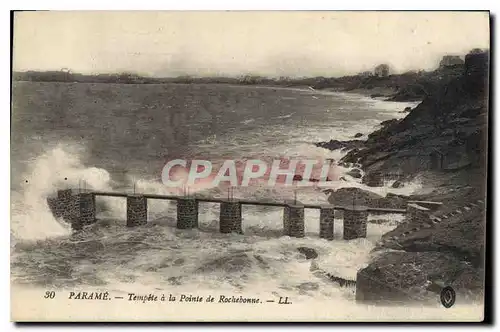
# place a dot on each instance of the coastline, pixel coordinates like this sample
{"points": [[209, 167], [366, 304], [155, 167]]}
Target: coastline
{"points": [[450, 250], [379, 93], [398, 87]]}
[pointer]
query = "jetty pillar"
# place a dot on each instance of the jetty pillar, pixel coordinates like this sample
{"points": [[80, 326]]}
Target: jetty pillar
{"points": [[137, 210], [63, 204], [355, 219], [82, 210], [60, 206], [230, 217], [293, 220], [187, 213], [326, 222], [417, 214]]}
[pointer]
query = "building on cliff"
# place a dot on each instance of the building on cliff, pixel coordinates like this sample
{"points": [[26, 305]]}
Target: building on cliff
{"points": [[450, 61]]}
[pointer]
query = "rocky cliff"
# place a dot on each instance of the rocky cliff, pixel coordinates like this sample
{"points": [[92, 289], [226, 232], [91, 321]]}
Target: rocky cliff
{"points": [[446, 132], [444, 142]]}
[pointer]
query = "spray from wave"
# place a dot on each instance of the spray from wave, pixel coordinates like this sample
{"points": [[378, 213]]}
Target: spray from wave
{"points": [[60, 167]]}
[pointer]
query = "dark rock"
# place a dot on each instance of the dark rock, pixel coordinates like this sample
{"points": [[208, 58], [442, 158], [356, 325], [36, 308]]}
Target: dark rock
{"points": [[308, 252], [175, 280], [389, 123], [341, 281], [402, 277], [328, 191], [308, 286], [336, 144], [351, 157], [412, 92], [342, 178], [373, 179], [358, 135], [230, 263], [261, 262], [457, 238], [179, 261], [397, 184], [348, 196], [355, 173], [392, 201], [458, 235], [472, 113]]}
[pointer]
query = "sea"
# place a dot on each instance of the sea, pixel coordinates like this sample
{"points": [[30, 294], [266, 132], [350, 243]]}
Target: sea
{"points": [[115, 137]]}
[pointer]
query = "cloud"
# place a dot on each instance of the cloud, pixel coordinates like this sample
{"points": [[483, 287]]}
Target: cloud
{"points": [[235, 43]]}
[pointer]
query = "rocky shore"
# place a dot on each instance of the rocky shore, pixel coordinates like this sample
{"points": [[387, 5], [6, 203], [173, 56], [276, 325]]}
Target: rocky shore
{"points": [[443, 142]]}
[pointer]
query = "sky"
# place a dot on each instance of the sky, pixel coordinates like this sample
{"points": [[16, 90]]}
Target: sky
{"points": [[296, 44]]}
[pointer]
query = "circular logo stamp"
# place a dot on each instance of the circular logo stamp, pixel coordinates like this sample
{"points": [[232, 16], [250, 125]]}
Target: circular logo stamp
{"points": [[448, 297]]}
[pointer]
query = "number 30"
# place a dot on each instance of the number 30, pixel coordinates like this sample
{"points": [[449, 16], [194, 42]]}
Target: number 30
{"points": [[49, 295]]}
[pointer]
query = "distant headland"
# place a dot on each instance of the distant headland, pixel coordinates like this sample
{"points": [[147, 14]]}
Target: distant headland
{"points": [[412, 85]]}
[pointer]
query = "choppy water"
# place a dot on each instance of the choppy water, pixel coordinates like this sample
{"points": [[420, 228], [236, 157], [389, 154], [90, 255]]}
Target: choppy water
{"points": [[112, 136]]}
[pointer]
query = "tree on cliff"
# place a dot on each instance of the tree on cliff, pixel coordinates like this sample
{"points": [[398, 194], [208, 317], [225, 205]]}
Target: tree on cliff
{"points": [[127, 77], [477, 51], [381, 70]]}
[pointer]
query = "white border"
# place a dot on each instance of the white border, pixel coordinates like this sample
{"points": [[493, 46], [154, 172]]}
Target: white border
{"points": [[252, 5]]}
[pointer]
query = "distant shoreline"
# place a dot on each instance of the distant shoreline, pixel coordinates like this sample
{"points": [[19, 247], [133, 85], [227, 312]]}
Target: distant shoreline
{"points": [[409, 86], [298, 87], [384, 94]]}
